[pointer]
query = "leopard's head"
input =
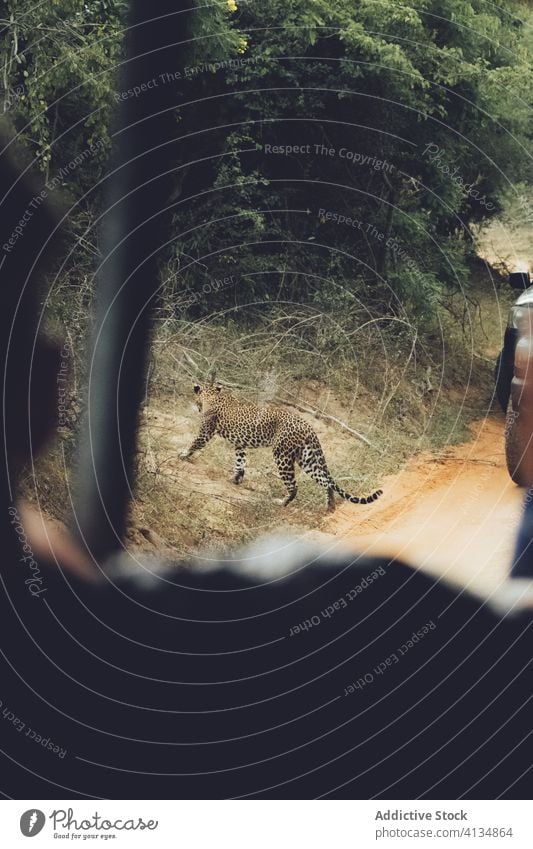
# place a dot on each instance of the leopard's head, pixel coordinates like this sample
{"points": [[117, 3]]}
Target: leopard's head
{"points": [[206, 396]]}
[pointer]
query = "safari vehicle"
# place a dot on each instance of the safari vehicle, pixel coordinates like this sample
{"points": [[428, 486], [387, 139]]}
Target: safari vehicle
{"points": [[511, 368]]}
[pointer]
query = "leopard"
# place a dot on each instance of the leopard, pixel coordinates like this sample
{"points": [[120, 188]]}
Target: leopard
{"points": [[248, 425]]}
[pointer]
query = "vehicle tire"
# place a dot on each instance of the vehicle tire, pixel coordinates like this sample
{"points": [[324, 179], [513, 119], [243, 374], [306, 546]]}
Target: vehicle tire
{"points": [[516, 442]]}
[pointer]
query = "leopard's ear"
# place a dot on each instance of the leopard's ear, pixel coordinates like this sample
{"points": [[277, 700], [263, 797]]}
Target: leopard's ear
{"points": [[218, 387], [197, 388]]}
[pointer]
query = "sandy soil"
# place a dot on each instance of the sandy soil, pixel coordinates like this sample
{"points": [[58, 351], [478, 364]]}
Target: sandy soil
{"points": [[453, 514]]}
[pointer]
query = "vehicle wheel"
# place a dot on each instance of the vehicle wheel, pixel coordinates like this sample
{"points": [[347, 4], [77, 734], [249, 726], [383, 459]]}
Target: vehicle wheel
{"points": [[516, 442]]}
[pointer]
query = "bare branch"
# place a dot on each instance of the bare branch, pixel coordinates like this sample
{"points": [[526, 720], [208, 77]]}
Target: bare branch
{"points": [[320, 415]]}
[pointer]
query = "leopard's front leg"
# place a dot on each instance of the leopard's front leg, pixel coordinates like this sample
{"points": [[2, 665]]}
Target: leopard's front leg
{"points": [[207, 430]]}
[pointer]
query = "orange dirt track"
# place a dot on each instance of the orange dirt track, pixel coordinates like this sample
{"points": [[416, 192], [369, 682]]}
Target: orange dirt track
{"points": [[454, 514]]}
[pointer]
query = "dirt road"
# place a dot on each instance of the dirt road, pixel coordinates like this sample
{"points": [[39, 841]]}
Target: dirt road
{"points": [[454, 513]]}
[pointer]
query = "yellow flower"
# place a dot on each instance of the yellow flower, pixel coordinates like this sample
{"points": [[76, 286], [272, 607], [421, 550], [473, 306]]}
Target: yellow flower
{"points": [[242, 44], [232, 6]]}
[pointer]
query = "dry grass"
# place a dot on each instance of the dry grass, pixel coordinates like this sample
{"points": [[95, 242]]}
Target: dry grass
{"points": [[380, 380], [402, 392]]}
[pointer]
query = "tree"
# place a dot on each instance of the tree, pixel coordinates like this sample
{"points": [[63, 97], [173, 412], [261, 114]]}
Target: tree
{"points": [[356, 141]]}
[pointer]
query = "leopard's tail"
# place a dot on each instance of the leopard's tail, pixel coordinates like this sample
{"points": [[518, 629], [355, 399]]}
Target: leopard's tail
{"points": [[314, 464], [355, 499]]}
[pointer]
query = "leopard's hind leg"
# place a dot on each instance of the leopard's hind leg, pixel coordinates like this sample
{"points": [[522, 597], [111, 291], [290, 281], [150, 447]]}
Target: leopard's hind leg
{"points": [[285, 458], [313, 463], [240, 465]]}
